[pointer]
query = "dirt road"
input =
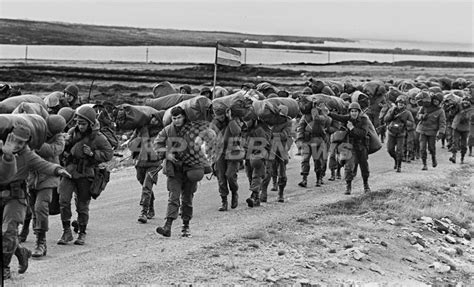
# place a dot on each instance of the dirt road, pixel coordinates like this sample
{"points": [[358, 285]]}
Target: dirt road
{"points": [[119, 250]]}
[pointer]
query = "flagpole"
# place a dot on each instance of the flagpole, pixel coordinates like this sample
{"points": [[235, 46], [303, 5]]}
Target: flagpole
{"points": [[215, 73]]}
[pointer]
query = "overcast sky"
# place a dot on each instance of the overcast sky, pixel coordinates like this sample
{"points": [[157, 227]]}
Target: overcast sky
{"points": [[425, 20]]}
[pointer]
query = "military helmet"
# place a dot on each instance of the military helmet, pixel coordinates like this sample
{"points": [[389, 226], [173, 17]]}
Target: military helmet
{"points": [[401, 99], [87, 113], [72, 89], [356, 106]]}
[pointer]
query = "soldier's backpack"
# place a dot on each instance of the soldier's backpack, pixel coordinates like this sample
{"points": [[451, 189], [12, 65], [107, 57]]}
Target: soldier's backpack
{"points": [[101, 178]]}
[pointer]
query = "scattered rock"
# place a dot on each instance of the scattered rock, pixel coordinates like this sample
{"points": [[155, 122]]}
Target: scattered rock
{"points": [[332, 250], [281, 252], [271, 279], [441, 226], [361, 236], [440, 267], [459, 251], [376, 268], [426, 220], [449, 251], [409, 259], [348, 245], [450, 239], [254, 245], [383, 243], [357, 255], [391, 221], [419, 247]]}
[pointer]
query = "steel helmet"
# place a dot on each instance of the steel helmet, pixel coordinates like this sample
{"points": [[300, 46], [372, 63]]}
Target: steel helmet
{"points": [[356, 106], [402, 99], [56, 124], [67, 113], [72, 89], [87, 113], [195, 174]]}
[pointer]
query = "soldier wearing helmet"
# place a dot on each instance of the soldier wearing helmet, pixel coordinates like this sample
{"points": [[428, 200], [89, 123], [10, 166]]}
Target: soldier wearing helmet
{"points": [[85, 149], [398, 119], [71, 94], [412, 139], [357, 132], [431, 126], [461, 129]]}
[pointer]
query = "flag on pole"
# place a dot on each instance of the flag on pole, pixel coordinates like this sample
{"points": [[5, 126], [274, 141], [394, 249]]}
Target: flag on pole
{"points": [[227, 56]]}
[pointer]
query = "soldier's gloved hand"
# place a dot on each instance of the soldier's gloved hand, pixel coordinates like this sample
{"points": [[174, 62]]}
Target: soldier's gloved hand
{"points": [[440, 136], [171, 157], [64, 173]]}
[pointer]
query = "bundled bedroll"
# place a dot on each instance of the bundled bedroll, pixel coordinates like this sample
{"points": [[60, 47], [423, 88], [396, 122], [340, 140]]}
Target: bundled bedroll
{"points": [[36, 124], [374, 143], [332, 102], [197, 109], [276, 111], [163, 89], [166, 102], [130, 117], [8, 105], [31, 108], [237, 103]]}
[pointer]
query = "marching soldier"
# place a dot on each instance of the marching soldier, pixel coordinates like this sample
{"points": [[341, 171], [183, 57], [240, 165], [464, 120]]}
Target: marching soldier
{"points": [[85, 149], [461, 128], [13, 193], [8, 160], [398, 119], [358, 128]]}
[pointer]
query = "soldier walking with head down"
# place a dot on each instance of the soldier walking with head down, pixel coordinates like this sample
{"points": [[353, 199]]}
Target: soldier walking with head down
{"points": [[179, 144], [85, 149], [13, 194]]}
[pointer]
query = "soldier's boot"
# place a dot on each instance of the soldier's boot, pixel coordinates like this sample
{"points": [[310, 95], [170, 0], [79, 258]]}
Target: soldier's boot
{"points": [[151, 210], [425, 166], [253, 200], [338, 173], [281, 189], [399, 166], [234, 201], [224, 204], [40, 247], [166, 229], [395, 164], [67, 234], [7, 258], [25, 230], [274, 186], [304, 182], [433, 160], [75, 226], [333, 175], [22, 254], [366, 186], [185, 231], [462, 158], [453, 158], [81, 239], [263, 196], [470, 151], [143, 215], [409, 157], [318, 181], [348, 187], [6, 273]]}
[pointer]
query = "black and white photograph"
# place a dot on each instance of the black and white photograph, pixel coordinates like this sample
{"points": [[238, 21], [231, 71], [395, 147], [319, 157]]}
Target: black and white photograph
{"points": [[237, 143]]}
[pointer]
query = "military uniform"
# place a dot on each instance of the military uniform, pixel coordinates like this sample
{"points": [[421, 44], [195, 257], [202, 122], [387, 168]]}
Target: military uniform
{"points": [[256, 150], [359, 153], [14, 201], [278, 159], [461, 129], [147, 166], [227, 160], [184, 171], [432, 123], [398, 120], [82, 168]]}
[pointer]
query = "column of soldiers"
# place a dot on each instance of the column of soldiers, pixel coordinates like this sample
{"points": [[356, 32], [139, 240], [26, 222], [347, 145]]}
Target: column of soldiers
{"points": [[29, 178]]}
